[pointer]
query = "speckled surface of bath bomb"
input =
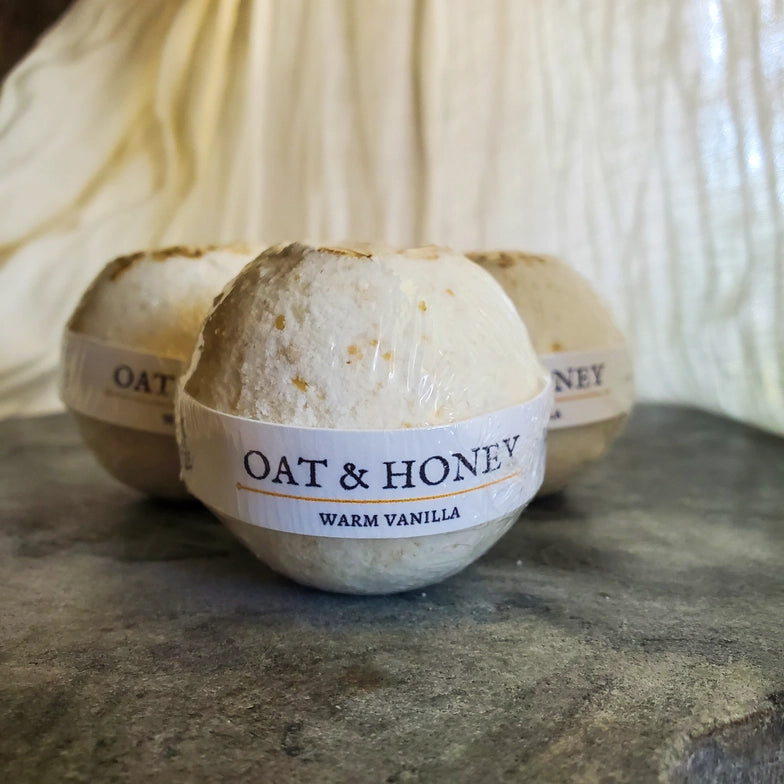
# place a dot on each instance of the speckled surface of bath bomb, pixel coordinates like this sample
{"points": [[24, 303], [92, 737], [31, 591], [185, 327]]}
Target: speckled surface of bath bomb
{"points": [[563, 313], [362, 337], [152, 302]]}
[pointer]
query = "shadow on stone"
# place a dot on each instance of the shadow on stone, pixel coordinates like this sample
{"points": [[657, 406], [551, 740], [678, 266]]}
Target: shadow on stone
{"points": [[747, 751], [157, 530], [554, 507]]}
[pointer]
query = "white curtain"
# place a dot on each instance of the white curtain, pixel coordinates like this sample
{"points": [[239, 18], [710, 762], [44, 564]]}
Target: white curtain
{"points": [[642, 141]]}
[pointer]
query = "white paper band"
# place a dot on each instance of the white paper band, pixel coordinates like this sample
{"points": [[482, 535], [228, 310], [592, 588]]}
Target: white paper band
{"points": [[118, 385], [589, 386], [364, 484]]}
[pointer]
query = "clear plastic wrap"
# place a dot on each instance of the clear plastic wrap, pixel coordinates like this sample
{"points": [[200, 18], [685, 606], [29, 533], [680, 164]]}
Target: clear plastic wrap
{"points": [[124, 349], [573, 332], [357, 417]]}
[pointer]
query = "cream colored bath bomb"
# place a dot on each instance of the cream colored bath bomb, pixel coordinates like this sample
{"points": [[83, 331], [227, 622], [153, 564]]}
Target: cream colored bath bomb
{"points": [[364, 338], [153, 302], [563, 312]]}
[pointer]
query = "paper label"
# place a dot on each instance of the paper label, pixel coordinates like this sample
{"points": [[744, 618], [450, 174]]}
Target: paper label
{"points": [[365, 484], [589, 386], [118, 385]]}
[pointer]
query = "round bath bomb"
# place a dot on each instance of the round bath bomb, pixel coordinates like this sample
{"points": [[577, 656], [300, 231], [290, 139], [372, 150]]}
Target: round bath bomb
{"points": [[362, 343], [125, 345], [573, 332]]}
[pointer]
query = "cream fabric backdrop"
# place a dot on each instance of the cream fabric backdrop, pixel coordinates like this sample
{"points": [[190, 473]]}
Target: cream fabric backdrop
{"points": [[643, 141]]}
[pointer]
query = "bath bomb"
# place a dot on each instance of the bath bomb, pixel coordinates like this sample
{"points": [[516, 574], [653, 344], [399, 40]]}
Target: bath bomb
{"points": [[364, 338], [574, 333], [131, 333]]}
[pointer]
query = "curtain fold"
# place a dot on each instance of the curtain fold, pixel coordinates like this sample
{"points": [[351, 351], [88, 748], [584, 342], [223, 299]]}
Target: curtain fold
{"points": [[643, 142]]}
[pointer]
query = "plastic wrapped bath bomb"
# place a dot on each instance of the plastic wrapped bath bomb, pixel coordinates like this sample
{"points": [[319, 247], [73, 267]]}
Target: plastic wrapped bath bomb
{"points": [[124, 347], [365, 420], [577, 340]]}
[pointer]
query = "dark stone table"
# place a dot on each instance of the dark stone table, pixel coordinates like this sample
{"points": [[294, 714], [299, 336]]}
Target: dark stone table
{"points": [[629, 630]]}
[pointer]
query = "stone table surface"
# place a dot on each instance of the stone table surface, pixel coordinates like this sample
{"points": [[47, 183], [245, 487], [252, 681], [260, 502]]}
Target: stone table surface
{"points": [[630, 629]]}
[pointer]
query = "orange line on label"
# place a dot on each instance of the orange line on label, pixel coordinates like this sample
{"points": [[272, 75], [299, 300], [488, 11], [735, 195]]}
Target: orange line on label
{"points": [[581, 395], [138, 399], [241, 486]]}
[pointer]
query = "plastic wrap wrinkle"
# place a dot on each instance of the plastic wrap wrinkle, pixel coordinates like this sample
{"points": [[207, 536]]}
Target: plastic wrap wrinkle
{"points": [[308, 354]]}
